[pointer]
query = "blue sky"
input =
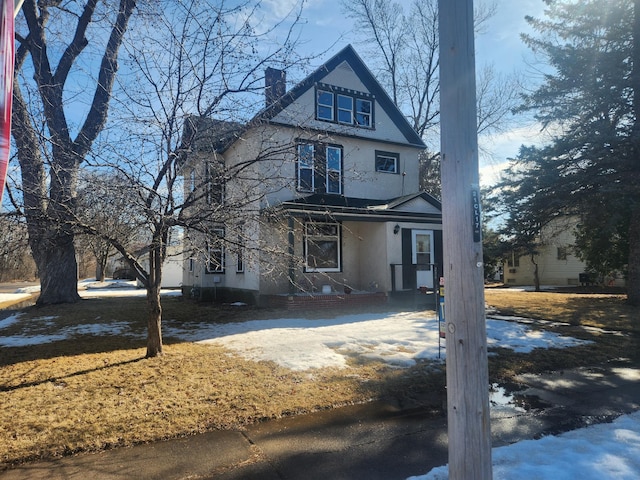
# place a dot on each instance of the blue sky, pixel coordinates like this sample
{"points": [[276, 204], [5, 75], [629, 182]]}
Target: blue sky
{"points": [[327, 28]]}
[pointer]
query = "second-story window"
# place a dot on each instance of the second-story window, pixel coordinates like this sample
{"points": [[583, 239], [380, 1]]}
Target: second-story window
{"points": [[319, 168], [387, 162], [333, 181], [192, 180], [306, 154]]}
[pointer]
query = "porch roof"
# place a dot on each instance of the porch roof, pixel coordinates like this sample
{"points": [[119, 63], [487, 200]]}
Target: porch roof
{"points": [[338, 207]]}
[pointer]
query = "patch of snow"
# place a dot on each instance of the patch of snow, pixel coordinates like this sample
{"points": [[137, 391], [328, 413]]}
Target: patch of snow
{"points": [[10, 297], [97, 329], [10, 320], [603, 451], [398, 339]]}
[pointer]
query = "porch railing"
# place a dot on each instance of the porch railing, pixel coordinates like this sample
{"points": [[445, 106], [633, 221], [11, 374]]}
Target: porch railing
{"points": [[404, 276]]}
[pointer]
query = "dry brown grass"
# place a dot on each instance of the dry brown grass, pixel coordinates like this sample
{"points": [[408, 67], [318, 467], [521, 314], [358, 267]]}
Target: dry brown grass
{"points": [[93, 401], [597, 310], [94, 392], [618, 340], [89, 393]]}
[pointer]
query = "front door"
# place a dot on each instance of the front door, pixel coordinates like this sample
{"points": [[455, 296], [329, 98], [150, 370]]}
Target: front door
{"points": [[422, 256]]}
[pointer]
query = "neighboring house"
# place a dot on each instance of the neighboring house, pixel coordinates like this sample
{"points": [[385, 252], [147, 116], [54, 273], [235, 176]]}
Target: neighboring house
{"points": [[332, 205], [556, 260], [172, 268]]}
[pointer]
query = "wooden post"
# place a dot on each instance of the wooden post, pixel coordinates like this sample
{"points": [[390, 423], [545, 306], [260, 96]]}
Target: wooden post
{"points": [[466, 341]]}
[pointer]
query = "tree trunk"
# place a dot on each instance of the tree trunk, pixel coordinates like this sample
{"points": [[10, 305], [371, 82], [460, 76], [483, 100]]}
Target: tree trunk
{"points": [[56, 261], [633, 279], [101, 267], [536, 274], [154, 324], [99, 271]]}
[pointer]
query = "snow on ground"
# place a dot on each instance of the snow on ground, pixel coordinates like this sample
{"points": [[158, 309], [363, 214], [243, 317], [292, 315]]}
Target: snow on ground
{"points": [[603, 451], [90, 288], [395, 338], [10, 297]]}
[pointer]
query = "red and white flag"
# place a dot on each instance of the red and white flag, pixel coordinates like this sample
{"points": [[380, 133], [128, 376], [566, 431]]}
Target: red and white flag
{"points": [[6, 86]]}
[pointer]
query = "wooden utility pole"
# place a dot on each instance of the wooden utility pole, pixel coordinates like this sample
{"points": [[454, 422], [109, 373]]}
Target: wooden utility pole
{"points": [[466, 339]]}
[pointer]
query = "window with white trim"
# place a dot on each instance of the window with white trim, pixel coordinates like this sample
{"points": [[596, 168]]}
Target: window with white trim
{"points": [[319, 168], [364, 111], [306, 154], [387, 162], [324, 105], [215, 252], [322, 247], [215, 183], [334, 170], [345, 109], [344, 106]]}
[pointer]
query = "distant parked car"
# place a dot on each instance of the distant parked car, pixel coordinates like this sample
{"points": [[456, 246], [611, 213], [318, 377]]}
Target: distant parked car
{"points": [[124, 274]]}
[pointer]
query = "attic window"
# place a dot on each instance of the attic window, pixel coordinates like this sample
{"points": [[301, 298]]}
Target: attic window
{"points": [[344, 106], [345, 109], [325, 105], [363, 112]]}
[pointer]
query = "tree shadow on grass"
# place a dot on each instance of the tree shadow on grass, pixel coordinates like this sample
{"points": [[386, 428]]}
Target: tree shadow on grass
{"points": [[60, 380], [81, 345]]}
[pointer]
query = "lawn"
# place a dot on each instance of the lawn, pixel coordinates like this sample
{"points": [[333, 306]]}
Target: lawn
{"points": [[87, 392]]}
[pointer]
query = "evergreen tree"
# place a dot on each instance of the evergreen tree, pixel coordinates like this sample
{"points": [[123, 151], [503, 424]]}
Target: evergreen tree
{"points": [[591, 97]]}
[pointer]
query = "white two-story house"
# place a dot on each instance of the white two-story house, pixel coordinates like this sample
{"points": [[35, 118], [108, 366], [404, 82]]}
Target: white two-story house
{"points": [[316, 197]]}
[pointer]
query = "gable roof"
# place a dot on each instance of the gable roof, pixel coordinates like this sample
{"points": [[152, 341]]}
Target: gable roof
{"points": [[349, 55], [218, 135]]}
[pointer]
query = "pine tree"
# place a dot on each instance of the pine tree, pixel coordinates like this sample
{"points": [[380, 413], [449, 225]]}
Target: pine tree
{"points": [[590, 96]]}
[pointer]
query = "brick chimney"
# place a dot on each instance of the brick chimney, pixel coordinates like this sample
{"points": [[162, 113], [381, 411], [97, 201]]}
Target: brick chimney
{"points": [[275, 85]]}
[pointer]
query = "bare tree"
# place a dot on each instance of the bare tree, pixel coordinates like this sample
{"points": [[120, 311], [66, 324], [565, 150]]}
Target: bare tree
{"points": [[52, 140], [15, 261], [407, 44], [106, 200], [190, 61]]}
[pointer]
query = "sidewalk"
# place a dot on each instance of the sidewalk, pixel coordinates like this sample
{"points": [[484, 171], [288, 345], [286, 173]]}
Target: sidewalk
{"points": [[373, 441]]}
